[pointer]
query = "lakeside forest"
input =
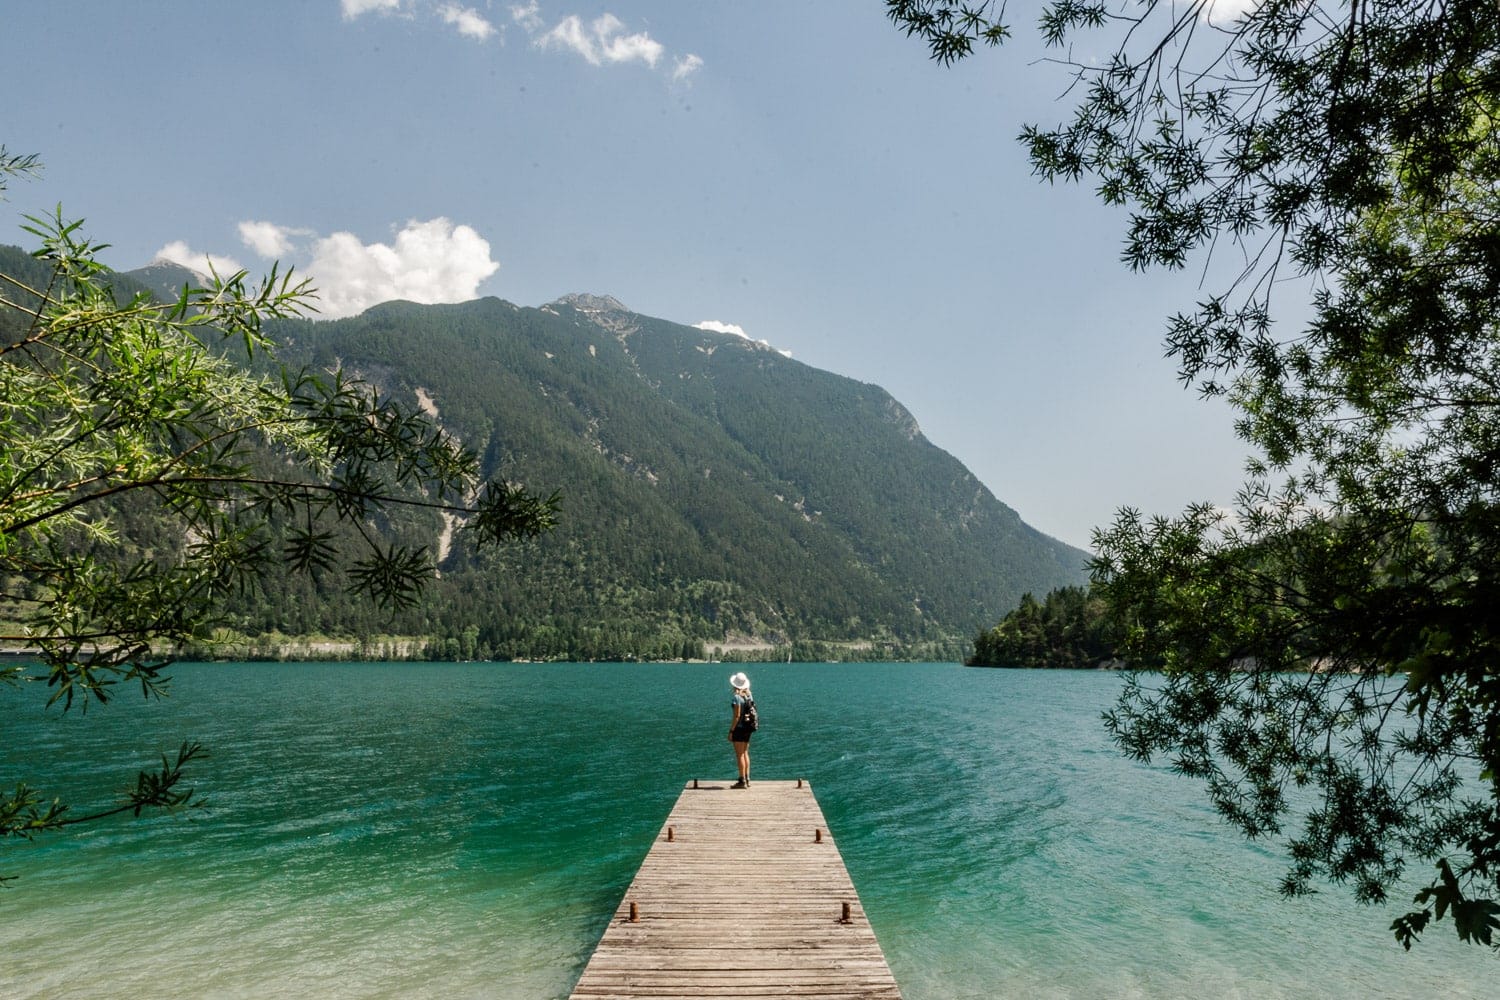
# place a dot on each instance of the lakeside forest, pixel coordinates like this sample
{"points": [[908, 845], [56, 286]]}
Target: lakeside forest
{"points": [[1068, 629], [211, 465]]}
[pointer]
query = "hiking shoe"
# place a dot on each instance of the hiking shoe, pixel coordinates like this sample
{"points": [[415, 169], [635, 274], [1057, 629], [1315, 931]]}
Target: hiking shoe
{"points": [[742, 783]]}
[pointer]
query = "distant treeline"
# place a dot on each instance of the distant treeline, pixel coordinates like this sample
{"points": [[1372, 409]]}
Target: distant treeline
{"points": [[1070, 628], [468, 646]]}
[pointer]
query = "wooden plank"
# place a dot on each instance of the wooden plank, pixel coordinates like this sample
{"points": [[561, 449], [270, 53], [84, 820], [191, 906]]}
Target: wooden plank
{"points": [[741, 895]]}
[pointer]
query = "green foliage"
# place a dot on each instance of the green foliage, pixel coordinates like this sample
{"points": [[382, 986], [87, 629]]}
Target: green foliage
{"points": [[15, 165], [949, 29], [1070, 629], [1354, 150], [145, 474]]}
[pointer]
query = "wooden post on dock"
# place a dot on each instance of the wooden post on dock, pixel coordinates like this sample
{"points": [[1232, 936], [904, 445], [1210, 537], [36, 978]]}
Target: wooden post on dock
{"points": [[736, 899]]}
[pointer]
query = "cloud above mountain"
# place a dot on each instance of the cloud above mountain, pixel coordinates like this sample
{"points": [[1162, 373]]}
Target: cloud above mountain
{"points": [[714, 326], [270, 240], [179, 253], [428, 262]]}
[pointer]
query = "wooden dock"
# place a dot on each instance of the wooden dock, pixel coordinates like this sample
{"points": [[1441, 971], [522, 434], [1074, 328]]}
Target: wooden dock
{"points": [[743, 894]]}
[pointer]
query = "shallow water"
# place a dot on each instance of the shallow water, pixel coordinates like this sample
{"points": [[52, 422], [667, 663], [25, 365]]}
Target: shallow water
{"points": [[466, 830]]}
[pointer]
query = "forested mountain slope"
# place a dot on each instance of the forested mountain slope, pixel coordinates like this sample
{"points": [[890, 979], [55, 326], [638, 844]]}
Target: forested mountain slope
{"points": [[713, 491], [711, 486]]}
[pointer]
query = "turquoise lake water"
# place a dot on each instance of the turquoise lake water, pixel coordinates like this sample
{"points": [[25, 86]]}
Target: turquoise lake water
{"points": [[466, 830]]}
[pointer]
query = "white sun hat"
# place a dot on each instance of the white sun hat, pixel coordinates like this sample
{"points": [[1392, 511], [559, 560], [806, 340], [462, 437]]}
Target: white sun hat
{"points": [[739, 682]]}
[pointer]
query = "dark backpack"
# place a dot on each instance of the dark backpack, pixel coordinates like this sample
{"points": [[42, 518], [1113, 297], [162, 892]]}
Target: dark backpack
{"points": [[749, 718]]}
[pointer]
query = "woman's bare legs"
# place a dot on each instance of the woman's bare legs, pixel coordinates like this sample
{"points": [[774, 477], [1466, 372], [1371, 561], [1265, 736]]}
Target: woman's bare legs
{"points": [[742, 760]]}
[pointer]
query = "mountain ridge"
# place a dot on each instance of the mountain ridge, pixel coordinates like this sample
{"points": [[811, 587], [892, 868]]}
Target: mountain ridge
{"points": [[694, 456], [717, 494]]}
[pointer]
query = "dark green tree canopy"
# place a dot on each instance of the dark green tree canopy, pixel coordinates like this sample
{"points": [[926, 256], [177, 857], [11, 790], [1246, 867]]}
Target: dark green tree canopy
{"points": [[1070, 628], [1351, 148]]}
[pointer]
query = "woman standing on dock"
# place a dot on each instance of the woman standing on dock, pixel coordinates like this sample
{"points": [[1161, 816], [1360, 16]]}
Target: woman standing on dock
{"points": [[741, 726]]}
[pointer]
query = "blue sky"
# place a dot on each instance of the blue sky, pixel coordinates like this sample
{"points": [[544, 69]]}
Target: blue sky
{"points": [[801, 172]]}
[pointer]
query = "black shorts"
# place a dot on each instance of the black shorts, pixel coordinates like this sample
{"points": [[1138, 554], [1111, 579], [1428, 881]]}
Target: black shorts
{"points": [[741, 735]]}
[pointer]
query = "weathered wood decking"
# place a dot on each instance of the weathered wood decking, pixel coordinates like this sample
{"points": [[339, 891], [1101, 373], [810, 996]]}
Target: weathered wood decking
{"points": [[742, 895]]}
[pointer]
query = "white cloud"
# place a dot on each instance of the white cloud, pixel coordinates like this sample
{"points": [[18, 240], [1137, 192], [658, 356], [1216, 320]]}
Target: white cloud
{"points": [[179, 253], [354, 8], [569, 34], [433, 261], [467, 20], [625, 48], [717, 327], [602, 42], [1226, 12], [686, 67], [268, 239], [714, 326], [528, 16]]}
